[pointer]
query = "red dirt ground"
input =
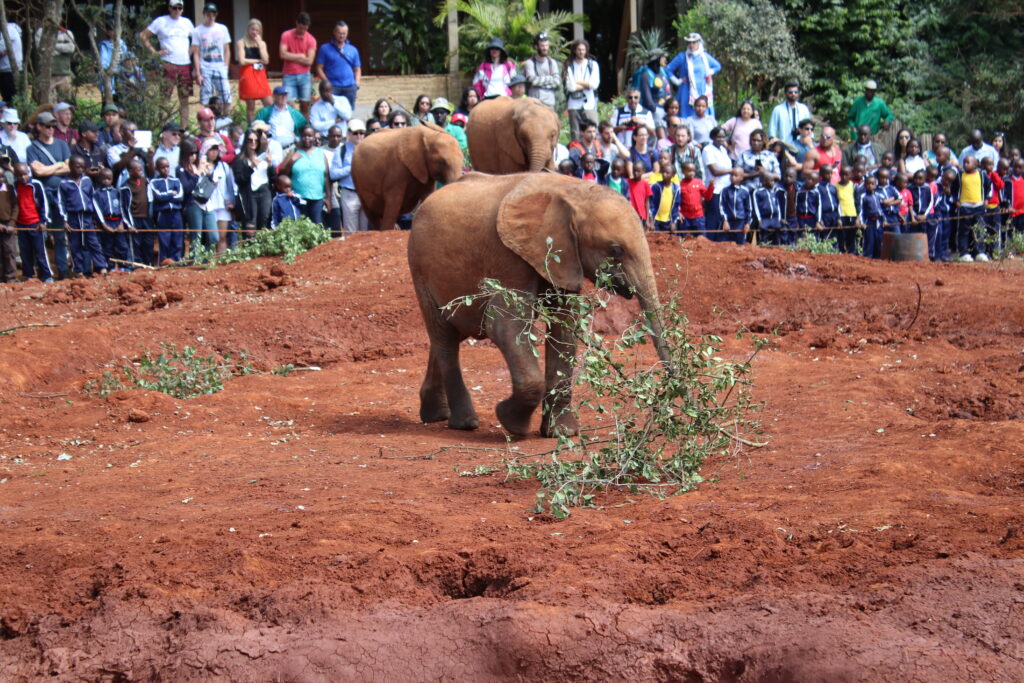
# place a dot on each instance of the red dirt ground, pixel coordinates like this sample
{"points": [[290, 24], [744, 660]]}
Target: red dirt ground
{"points": [[298, 528]]}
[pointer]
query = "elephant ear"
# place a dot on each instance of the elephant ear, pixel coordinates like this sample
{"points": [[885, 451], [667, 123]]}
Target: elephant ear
{"points": [[534, 212], [413, 155]]}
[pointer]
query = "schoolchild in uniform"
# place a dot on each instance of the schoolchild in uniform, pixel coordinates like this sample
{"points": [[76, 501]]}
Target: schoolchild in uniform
{"points": [[665, 200], [944, 215], [808, 204], [287, 204], [114, 218], [8, 233], [166, 198], [846, 195], [829, 201], [769, 212], [922, 209], [639, 193], [870, 217], [617, 178], [891, 201], [789, 190], [692, 195], [143, 238], [736, 209], [970, 191], [900, 183], [1015, 196], [74, 201], [994, 218], [33, 217]]}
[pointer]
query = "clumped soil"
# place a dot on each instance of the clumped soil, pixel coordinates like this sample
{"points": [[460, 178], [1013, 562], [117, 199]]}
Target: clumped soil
{"points": [[309, 528]]}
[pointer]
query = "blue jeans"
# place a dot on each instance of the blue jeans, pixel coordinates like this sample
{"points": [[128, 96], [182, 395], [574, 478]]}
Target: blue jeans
{"points": [[300, 86], [202, 225], [314, 210], [348, 92], [332, 220]]}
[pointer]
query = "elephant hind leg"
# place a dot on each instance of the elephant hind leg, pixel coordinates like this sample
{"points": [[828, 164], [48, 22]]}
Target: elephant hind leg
{"points": [[515, 412], [433, 398]]}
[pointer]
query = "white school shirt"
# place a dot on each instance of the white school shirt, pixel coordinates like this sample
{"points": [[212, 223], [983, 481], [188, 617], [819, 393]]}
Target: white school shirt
{"points": [[173, 35]]}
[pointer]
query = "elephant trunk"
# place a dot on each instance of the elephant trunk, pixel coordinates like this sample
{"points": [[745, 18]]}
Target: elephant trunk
{"points": [[540, 156], [647, 292]]}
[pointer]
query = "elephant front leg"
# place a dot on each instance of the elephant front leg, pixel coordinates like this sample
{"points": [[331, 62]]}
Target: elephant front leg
{"points": [[515, 412], [559, 351]]}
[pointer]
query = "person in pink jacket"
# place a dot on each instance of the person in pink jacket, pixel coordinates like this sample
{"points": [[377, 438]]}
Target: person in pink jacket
{"points": [[493, 76]]}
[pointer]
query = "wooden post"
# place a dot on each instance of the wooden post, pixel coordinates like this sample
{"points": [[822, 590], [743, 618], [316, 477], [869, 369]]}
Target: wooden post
{"points": [[454, 77]]}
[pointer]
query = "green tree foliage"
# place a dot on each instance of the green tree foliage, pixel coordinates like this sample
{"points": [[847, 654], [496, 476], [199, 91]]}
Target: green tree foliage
{"points": [[754, 44], [408, 47], [516, 22], [846, 42]]}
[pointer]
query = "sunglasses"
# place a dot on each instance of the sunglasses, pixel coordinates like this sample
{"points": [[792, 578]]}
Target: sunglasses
{"points": [[205, 118], [359, 132], [631, 98], [48, 125], [826, 137], [398, 124], [792, 92]]}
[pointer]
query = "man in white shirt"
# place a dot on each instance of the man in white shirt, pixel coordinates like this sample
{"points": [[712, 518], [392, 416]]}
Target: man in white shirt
{"points": [[11, 136], [8, 82], [630, 117], [330, 111], [786, 117], [717, 167], [582, 78], [168, 148], [173, 32], [211, 45]]}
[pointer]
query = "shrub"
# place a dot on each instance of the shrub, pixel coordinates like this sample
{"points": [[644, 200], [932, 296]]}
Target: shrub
{"points": [[643, 428], [182, 374], [291, 238], [814, 244]]}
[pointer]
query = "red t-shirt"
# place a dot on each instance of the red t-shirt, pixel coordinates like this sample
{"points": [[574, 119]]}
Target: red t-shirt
{"points": [[906, 200], [1017, 183], [692, 194], [639, 193], [299, 45], [28, 212], [997, 187]]}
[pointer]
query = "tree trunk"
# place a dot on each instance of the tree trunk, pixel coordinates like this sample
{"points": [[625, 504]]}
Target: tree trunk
{"points": [[41, 88], [106, 74], [14, 59]]}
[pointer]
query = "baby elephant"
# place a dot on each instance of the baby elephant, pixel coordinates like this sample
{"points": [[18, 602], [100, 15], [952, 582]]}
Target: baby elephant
{"points": [[499, 227], [395, 168]]}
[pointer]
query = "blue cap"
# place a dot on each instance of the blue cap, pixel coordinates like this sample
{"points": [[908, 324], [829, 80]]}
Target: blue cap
{"points": [[280, 90]]}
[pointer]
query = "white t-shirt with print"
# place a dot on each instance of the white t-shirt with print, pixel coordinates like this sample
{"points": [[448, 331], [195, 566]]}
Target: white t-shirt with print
{"points": [[213, 42], [173, 35]]}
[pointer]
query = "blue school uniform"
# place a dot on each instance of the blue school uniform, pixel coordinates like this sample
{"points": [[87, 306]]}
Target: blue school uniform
{"points": [[113, 207], [166, 199], [891, 213], [769, 213], [808, 208], [828, 200], [32, 237], [789, 222], [735, 208], [654, 203], [74, 202], [943, 216], [286, 206], [871, 215]]}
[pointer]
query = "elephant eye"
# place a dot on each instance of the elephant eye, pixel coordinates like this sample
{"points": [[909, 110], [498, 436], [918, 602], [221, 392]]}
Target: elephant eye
{"points": [[616, 251]]}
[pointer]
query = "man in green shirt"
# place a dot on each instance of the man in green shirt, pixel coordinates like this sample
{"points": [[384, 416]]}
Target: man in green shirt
{"points": [[869, 111]]}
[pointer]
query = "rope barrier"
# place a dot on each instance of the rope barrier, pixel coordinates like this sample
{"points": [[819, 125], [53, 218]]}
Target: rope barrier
{"points": [[782, 229]]}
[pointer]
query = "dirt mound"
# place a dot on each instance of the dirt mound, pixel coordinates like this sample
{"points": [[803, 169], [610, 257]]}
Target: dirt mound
{"points": [[307, 527]]}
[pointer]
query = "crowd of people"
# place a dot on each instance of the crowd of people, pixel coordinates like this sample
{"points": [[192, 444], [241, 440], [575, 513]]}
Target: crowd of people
{"points": [[107, 200]]}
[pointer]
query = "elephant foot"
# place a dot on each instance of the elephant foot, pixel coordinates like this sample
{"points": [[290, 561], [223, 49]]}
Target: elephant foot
{"points": [[434, 413], [563, 425], [514, 417], [467, 422]]}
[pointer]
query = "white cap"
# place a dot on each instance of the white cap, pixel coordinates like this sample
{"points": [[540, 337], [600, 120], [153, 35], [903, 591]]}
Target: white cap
{"points": [[356, 125]]}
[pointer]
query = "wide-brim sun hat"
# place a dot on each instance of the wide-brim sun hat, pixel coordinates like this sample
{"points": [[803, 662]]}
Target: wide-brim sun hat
{"points": [[441, 103], [10, 116], [499, 44]]}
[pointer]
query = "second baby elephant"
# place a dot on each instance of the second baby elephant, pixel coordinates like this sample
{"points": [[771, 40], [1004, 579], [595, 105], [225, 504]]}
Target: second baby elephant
{"points": [[512, 135], [395, 169], [507, 228]]}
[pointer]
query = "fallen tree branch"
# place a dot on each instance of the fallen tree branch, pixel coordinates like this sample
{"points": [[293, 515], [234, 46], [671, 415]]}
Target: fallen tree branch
{"points": [[27, 325]]}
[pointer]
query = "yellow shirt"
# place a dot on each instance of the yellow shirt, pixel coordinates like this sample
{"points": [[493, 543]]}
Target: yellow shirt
{"points": [[971, 192], [668, 196], [847, 206]]}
